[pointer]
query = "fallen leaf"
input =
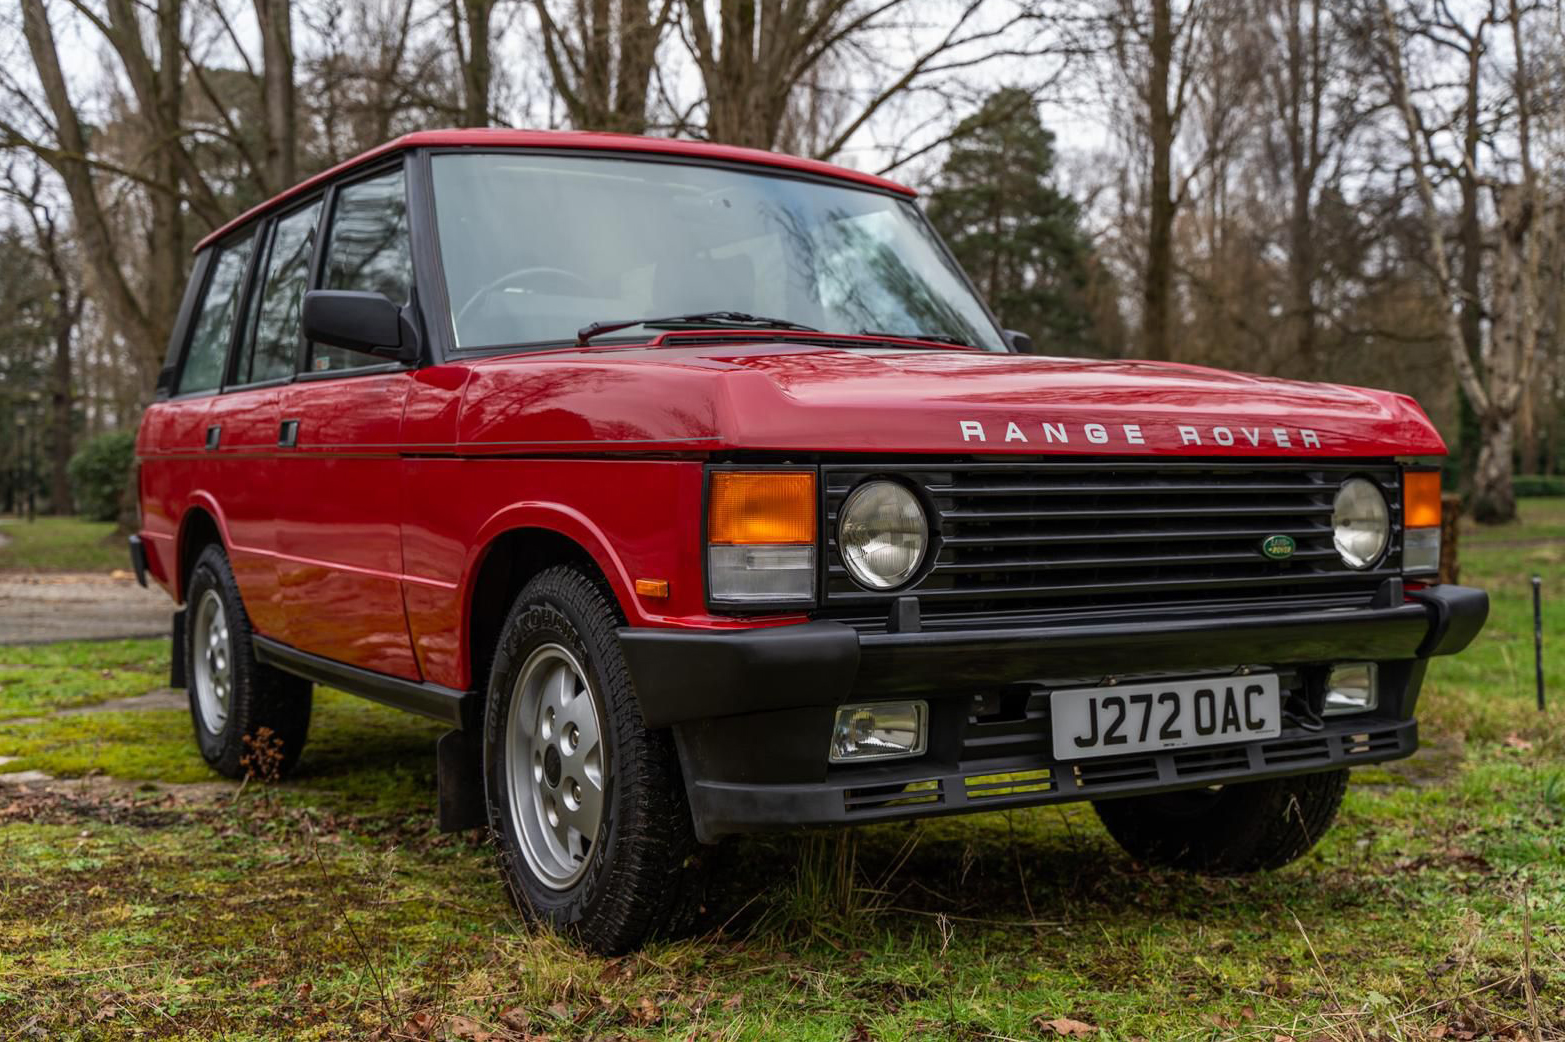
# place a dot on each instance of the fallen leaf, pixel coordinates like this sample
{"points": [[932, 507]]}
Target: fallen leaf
{"points": [[1516, 741], [1282, 1038], [462, 1027], [561, 1010], [420, 1025], [303, 991], [262, 982], [1217, 1020], [860, 1033], [646, 1012], [1066, 1027], [515, 1018], [731, 1004]]}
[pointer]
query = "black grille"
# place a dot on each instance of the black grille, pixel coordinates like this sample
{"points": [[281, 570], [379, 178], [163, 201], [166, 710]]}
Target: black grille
{"points": [[1105, 535]]}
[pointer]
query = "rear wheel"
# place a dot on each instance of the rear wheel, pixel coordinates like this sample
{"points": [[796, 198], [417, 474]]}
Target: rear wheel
{"points": [[249, 719], [587, 806], [1230, 829]]}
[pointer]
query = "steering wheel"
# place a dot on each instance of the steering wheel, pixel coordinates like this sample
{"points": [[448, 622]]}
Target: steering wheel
{"points": [[512, 277]]}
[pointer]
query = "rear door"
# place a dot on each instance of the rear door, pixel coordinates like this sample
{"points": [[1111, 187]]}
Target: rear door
{"points": [[248, 472], [183, 470], [339, 541]]}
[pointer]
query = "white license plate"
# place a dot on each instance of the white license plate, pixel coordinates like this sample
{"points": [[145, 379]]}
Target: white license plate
{"points": [[1152, 715]]}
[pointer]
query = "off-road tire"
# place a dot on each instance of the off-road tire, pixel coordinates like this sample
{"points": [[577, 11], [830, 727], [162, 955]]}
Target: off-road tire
{"points": [[643, 874], [268, 707], [1236, 829]]}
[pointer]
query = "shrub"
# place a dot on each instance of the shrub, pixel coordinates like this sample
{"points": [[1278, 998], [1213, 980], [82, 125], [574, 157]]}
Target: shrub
{"points": [[1539, 484], [99, 472]]}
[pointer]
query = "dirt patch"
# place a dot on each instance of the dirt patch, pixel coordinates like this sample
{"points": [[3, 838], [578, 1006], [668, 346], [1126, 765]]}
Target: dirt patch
{"points": [[36, 609]]}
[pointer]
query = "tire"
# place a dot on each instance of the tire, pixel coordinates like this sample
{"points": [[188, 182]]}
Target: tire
{"points": [[618, 863], [249, 719], [1230, 830]]}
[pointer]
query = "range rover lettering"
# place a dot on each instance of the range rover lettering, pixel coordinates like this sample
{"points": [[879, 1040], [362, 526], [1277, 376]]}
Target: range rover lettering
{"points": [[696, 492]]}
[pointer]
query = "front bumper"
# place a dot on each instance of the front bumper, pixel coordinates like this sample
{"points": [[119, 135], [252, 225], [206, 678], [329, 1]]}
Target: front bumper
{"points": [[752, 709]]}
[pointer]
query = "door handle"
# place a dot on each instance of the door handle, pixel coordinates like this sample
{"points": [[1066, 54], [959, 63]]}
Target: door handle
{"points": [[214, 434], [288, 434]]}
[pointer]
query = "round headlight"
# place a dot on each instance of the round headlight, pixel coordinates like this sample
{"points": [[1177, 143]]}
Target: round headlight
{"points": [[1360, 522], [882, 534]]}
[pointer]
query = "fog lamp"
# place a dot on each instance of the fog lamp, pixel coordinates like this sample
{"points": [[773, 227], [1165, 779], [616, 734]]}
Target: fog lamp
{"points": [[882, 731], [1351, 689]]}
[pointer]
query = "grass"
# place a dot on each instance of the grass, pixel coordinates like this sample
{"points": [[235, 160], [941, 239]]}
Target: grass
{"points": [[149, 899], [61, 544]]}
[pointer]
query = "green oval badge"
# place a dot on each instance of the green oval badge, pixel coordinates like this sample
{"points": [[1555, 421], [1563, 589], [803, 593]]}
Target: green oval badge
{"points": [[1278, 547]]}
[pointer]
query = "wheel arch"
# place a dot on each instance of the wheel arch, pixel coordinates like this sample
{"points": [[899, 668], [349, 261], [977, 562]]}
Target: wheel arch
{"points": [[200, 525], [510, 556]]}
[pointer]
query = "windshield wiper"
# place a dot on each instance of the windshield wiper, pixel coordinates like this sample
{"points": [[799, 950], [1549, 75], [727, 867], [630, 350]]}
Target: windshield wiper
{"points": [[938, 338], [696, 318]]}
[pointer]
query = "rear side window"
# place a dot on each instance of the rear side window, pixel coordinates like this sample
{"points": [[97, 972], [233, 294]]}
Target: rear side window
{"points": [[367, 250], [271, 350], [214, 324]]}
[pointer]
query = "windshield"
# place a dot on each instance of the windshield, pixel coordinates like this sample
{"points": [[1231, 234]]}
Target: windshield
{"points": [[537, 246]]}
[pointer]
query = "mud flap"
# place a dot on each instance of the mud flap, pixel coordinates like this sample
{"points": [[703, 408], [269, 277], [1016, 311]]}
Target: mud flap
{"points": [[459, 770], [176, 660]]}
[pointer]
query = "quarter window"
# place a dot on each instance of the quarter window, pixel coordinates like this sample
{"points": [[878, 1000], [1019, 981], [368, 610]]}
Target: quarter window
{"points": [[272, 348], [368, 250], [214, 325]]}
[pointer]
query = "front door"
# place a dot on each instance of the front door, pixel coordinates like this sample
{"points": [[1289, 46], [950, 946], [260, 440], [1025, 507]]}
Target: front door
{"points": [[339, 541]]}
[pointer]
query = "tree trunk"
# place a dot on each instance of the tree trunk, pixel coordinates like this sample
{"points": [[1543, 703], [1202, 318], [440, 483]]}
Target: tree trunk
{"points": [[1494, 500], [1158, 287], [477, 68], [277, 88], [60, 406]]}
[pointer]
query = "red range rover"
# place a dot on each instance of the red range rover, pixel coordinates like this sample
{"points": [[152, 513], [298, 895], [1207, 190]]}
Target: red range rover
{"points": [[696, 490]]}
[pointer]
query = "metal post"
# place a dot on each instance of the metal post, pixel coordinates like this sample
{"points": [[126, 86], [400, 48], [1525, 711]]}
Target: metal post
{"points": [[1537, 633]]}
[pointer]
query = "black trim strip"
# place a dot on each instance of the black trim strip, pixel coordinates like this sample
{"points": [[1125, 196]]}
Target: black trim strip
{"points": [[438, 703]]}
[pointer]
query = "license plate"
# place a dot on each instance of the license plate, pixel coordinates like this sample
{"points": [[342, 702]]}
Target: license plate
{"points": [[1153, 715]]}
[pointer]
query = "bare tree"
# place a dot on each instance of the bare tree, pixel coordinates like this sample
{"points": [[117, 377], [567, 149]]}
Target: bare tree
{"points": [[50, 243], [1495, 378], [601, 57]]}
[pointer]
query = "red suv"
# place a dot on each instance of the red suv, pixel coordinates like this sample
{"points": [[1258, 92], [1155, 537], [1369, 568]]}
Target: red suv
{"points": [[697, 491]]}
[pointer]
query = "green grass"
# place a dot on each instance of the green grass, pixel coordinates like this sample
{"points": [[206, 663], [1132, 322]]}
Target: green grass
{"points": [[48, 677], [152, 900], [61, 544]]}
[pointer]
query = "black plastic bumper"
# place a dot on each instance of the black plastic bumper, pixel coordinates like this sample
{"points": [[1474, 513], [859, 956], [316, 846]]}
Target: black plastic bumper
{"points": [[752, 710], [685, 675]]}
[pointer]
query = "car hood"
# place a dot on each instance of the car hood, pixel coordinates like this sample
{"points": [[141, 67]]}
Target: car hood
{"points": [[814, 397]]}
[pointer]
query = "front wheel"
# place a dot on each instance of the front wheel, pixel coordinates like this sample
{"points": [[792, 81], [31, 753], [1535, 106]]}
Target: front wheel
{"points": [[587, 806], [1229, 829]]}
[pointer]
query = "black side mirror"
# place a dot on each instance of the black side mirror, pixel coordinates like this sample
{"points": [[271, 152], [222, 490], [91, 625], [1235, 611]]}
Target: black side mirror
{"points": [[364, 322], [1016, 340]]}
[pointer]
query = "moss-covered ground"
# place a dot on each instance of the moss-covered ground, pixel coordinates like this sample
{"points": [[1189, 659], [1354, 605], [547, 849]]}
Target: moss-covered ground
{"points": [[141, 897]]}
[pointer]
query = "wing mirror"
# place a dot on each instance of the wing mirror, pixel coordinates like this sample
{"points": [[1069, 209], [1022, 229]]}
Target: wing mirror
{"points": [[1016, 340], [368, 323]]}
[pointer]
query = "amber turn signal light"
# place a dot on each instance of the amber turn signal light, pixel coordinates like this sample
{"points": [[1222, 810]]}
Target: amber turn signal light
{"points": [[654, 588], [748, 508], [1421, 499]]}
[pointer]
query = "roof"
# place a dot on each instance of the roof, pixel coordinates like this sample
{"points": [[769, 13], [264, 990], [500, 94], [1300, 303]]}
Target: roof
{"points": [[492, 137]]}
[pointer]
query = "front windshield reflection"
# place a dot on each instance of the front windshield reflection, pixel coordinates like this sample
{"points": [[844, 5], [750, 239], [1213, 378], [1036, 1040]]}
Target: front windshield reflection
{"points": [[536, 246]]}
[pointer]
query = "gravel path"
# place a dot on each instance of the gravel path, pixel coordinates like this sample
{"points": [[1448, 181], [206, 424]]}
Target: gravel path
{"points": [[39, 608]]}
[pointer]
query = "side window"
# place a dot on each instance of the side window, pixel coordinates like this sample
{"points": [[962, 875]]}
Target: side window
{"points": [[368, 250], [214, 322], [271, 345]]}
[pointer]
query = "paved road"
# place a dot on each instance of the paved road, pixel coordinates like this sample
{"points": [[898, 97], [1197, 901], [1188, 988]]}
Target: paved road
{"points": [[38, 608]]}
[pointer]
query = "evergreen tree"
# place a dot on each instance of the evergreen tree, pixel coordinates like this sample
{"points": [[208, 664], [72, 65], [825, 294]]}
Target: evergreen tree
{"points": [[1015, 233]]}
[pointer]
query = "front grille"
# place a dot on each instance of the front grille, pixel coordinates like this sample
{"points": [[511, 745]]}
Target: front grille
{"points": [[1096, 536]]}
